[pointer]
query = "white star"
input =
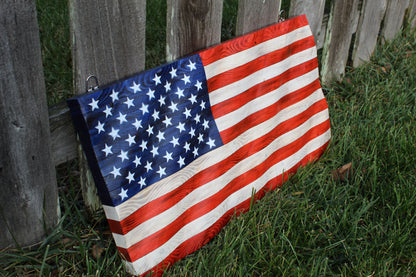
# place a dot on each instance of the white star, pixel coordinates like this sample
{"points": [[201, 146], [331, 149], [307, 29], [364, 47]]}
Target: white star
{"points": [[173, 107], [137, 124], [123, 194], [131, 140], [192, 132], [115, 172], [191, 65], [151, 94], [167, 86], [173, 72], [200, 138], [156, 79], [186, 79], [107, 150], [144, 108], [187, 113], [114, 133], [135, 87], [130, 177], [198, 85], [162, 100], [181, 127], [179, 93], [181, 161], [205, 124], [202, 105], [137, 161], [160, 136], [197, 118], [211, 143], [122, 117], [155, 115], [187, 146], [161, 171], [148, 166], [143, 145], [195, 152], [142, 182], [129, 103], [100, 127], [174, 141], [192, 99], [114, 95], [154, 151], [93, 104], [123, 156], [150, 130], [167, 121], [168, 156], [107, 111]]}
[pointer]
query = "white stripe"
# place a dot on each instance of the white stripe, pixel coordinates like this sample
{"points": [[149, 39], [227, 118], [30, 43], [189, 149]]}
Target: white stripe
{"points": [[226, 92], [209, 189], [255, 52], [188, 231], [230, 119], [173, 181]]}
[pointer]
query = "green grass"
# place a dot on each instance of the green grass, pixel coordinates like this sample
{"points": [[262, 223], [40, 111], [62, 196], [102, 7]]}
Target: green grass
{"points": [[314, 225]]}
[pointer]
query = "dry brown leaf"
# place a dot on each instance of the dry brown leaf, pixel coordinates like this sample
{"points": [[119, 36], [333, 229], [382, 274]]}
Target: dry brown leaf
{"points": [[343, 173], [96, 251]]}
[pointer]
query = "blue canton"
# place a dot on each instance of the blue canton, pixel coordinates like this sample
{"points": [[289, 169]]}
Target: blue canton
{"points": [[150, 126]]}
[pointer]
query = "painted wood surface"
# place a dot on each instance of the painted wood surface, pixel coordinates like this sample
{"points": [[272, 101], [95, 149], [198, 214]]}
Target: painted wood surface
{"points": [[28, 198], [255, 14], [192, 25], [314, 10], [108, 40], [393, 19], [341, 26], [372, 15]]}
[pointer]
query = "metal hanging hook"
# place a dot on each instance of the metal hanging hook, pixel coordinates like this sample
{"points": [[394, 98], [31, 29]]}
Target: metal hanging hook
{"points": [[91, 88]]}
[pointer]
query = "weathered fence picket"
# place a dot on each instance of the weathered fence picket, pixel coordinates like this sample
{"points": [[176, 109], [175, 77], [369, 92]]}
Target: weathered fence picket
{"points": [[191, 26], [28, 197], [368, 29], [341, 26], [108, 40], [248, 18], [314, 10]]}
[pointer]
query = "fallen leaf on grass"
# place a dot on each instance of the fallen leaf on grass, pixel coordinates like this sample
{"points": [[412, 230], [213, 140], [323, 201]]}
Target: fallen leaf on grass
{"points": [[343, 173], [96, 251]]}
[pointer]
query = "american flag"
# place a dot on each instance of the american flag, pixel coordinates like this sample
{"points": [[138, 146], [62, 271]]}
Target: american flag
{"points": [[177, 150]]}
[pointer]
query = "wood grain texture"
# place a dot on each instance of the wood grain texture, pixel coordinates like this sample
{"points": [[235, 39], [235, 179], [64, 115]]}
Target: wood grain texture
{"points": [[393, 20], [28, 198], [253, 15], [63, 138], [192, 25], [340, 28], [108, 40], [411, 13], [314, 10], [372, 14]]}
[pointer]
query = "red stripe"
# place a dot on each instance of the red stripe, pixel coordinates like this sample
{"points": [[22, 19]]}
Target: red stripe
{"points": [[233, 46], [160, 237], [164, 202], [263, 88], [265, 114], [264, 61]]}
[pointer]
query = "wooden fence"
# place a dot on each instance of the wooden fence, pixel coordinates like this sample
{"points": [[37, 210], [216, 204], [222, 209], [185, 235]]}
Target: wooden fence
{"points": [[108, 39]]}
